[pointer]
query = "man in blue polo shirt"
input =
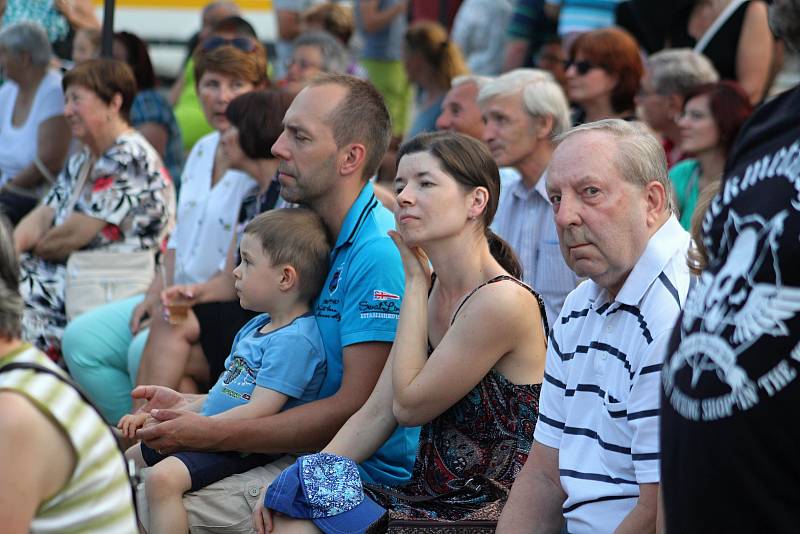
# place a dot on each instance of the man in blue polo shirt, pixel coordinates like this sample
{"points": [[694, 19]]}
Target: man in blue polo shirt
{"points": [[335, 134]]}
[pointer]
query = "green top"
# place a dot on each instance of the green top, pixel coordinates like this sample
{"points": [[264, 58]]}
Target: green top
{"points": [[685, 177], [97, 497], [188, 111]]}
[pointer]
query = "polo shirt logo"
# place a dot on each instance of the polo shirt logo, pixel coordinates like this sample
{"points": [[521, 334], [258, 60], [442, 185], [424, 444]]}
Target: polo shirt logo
{"points": [[335, 279], [377, 294]]}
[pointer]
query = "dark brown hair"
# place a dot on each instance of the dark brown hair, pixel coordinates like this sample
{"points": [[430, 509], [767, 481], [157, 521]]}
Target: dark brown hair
{"points": [[361, 117], [617, 52], [137, 56], [469, 163], [296, 237], [238, 64], [258, 115], [729, 106], [105, 78]]}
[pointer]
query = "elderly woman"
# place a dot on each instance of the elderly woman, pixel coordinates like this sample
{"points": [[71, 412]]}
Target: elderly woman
{"points": [[111, 196], [314, 52], [103, 348], [34, 132], [68, 473], [604, 70]]}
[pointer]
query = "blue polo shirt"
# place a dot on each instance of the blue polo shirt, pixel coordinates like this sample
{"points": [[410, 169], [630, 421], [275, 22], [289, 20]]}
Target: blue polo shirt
{"points": [[360, 303]]}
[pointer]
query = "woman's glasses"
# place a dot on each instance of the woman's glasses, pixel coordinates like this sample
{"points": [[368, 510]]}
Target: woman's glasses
{"points": [[581, 67], [242, 43]]}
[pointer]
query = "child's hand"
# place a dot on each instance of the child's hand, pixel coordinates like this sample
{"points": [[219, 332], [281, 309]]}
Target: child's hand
{"points": [[130, 423]]}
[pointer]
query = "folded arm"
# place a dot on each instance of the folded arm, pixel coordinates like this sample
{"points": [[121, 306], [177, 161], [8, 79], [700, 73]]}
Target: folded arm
{"points": [[62, 240]]}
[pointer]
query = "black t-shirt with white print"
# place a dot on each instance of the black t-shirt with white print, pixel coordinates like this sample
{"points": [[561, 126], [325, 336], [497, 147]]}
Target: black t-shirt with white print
{"points": [[730, 432]]}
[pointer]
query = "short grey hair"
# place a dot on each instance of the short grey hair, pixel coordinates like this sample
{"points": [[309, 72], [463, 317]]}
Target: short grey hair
{"points": [[541, 95], [640, 157], [784, 20], [479, 81], [10, 299], [27, 38], [679, 71], [335, 58]]}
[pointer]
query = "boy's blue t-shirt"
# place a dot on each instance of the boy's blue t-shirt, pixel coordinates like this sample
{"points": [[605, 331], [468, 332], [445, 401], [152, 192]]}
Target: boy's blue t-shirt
{"points": [[290, 360], [360, 303]]}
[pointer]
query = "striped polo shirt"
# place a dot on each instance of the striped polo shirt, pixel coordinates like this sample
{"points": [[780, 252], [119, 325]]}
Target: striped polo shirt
{"points": [[97, 497], [600, 397]]}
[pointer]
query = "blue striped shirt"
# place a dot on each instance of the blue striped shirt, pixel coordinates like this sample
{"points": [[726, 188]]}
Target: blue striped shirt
{"points": [[600, 397], [525, 220]]}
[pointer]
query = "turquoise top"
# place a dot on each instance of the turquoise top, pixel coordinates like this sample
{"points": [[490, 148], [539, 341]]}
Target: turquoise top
{"points": [[685, 176], [360, 303]]}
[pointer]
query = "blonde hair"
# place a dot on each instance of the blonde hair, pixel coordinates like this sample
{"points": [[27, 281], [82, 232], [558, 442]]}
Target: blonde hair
{"points": [[430, 40]]}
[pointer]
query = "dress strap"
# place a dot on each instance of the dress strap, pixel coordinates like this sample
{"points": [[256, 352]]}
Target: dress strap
{"points": [[502, 278]]}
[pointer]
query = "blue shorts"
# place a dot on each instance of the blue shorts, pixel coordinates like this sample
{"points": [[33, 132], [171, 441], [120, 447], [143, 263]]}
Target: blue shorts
{"points": [[205, 468]]}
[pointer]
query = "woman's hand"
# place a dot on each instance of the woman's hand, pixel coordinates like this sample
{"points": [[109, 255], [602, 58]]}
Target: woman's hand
{"points": [[181, 297], [143, 313], [262, 516], [415, 261]]}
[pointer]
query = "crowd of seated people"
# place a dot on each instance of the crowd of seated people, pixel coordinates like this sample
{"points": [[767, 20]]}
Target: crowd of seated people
{"points": [[358, 310]]}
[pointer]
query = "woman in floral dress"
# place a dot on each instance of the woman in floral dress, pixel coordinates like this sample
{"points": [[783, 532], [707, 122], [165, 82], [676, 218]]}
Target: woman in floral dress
{"points": [[122, 206]]}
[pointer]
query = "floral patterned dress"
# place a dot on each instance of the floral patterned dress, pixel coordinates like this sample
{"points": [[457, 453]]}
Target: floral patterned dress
{"points": [[127, 189], [469, 456]]}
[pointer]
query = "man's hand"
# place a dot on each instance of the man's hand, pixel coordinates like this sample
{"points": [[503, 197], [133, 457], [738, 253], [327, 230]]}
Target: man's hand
{"points": [[178, 430], [262, 517], [158, 398]]}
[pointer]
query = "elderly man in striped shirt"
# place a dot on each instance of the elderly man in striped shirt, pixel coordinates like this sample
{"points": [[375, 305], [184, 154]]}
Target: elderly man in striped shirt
{"points": [[595, 459]]}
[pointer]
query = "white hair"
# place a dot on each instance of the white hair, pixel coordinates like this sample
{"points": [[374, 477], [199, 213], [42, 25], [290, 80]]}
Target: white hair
{"points": [[680, 70], [640, 157], [478, 80], [541, 95], [27, 38]]}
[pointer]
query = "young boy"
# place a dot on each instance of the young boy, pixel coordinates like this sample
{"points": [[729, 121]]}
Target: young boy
{"points": [[277, 360]]}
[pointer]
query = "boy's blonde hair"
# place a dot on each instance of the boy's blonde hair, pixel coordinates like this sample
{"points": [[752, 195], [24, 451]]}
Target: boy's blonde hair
{"points": [[297, 237]]}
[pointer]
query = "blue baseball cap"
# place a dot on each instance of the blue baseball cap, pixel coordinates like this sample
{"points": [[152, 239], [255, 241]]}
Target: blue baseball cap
{"points": [[326, 489]]}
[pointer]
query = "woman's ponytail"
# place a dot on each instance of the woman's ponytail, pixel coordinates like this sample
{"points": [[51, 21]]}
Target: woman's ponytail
{"points": [[504, 254]]}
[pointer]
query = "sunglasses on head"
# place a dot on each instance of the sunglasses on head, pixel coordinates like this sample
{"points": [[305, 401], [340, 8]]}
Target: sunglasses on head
{"points": [[242, 43], [581, 67]]}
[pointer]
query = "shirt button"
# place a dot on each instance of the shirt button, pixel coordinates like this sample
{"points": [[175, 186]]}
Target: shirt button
{"points": [[254, 491]]}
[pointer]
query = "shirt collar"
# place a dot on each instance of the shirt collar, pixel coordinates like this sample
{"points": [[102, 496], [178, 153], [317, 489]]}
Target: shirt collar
{"points": [[663, 245], [522, 192], [364, 204]]}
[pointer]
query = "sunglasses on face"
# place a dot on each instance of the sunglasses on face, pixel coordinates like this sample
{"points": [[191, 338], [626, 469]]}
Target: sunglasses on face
{"points": [[581, 67], [242, 43]]}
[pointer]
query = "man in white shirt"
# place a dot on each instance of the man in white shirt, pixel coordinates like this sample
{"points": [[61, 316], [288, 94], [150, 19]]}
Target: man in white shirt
{"points": [[523, 110], [595, 457]]}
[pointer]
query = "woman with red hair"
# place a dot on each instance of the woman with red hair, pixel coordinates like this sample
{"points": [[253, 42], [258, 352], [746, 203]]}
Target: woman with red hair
{"points": [[604, 70], [710, 121]]}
